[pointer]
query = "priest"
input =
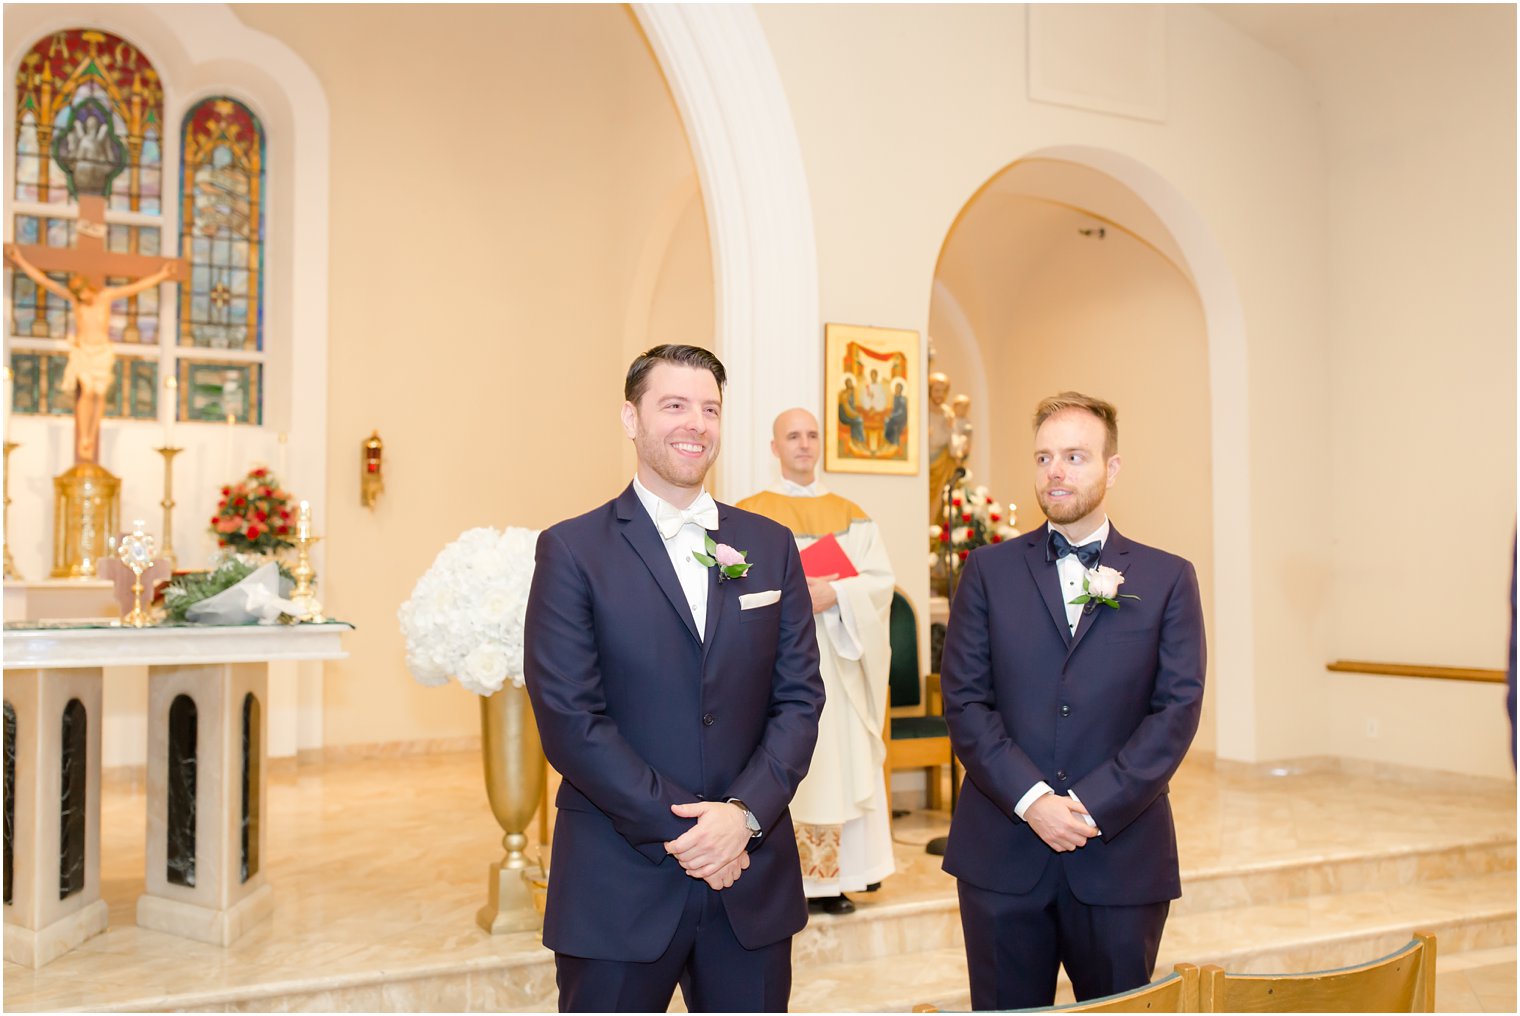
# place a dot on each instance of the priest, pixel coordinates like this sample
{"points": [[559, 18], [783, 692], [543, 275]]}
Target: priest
{"points": [[841, 811]]}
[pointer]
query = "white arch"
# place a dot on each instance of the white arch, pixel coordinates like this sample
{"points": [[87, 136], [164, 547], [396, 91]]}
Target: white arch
{"points": [[1233, 645], [759, 216]]}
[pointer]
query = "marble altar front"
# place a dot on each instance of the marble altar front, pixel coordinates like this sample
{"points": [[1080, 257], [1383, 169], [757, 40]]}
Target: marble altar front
{"points": [[207, 752]]}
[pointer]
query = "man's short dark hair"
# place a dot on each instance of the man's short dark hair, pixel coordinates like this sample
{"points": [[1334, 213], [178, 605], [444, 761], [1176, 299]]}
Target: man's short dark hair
{"points": [[682, 356]]}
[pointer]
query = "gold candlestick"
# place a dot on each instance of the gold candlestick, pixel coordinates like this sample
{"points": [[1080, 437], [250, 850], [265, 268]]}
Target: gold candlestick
{"points": [[136, 552], [11, 571], [167, 504], [304, 596]]}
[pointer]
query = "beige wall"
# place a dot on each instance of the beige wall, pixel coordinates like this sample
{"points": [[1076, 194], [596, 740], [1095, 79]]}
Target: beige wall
{"points": [[1419, 471], [933, 101], [1055, 311], [1366, 217], [496, 174]]}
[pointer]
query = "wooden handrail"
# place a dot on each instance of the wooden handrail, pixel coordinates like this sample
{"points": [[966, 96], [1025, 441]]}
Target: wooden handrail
{"points": [[1414, 670]]}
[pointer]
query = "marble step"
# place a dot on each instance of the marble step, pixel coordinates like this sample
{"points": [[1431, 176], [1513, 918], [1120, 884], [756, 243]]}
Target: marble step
{"points": [[920, 906], [1313, 932], [1308, 933]]}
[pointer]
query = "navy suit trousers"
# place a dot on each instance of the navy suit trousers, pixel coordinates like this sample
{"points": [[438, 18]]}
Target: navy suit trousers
{"points": [[715, 972], [1016, 943]]}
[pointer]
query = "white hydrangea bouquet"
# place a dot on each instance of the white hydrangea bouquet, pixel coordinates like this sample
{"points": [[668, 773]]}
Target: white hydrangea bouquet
{"points": [[465, 617]]}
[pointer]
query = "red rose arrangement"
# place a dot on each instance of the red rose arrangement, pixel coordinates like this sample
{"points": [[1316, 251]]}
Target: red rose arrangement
{"points": [[255, 515]]}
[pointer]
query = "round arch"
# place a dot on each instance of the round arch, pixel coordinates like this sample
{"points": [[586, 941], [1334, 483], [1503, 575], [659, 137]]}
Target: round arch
{"points": [[1232, 646]]}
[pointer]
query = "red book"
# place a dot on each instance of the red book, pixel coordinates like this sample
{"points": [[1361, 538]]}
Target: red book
{"points": [[827, 557]]}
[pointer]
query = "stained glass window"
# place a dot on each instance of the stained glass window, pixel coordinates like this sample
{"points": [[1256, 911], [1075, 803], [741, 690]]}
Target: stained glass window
{"points": [[213, 390], [60, 79], [39, 386], [89, 119], [222, 224]]}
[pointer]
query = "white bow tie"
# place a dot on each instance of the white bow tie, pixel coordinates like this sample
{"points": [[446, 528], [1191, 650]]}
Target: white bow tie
{"points": [[669, 519]]}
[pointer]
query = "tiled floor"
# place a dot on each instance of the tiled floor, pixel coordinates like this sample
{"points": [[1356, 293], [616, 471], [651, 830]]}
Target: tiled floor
{"points": [[378, 867], [1480, 981]]}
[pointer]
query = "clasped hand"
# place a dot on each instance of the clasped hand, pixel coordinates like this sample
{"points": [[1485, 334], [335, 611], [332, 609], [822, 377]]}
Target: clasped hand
{"points": [[1059, 822], [713, 849]]}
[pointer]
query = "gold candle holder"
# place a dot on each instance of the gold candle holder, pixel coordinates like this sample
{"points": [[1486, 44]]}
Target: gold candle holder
{"points": [[135, 550], [167, 504], [11, 571], [304, 596]]}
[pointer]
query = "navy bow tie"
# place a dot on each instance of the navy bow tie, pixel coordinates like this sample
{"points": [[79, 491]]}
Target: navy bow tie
{"points": [[1059, 547]]}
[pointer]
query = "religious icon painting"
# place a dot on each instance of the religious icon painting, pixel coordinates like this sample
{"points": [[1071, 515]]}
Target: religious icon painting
{"points": [[872, 380]]}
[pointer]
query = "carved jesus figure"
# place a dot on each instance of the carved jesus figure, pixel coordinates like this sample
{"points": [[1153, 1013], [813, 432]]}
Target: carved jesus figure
{"points": [[91, 352]]}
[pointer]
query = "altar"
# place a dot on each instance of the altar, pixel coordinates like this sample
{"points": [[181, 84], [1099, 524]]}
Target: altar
{"points": [[207, 747]]}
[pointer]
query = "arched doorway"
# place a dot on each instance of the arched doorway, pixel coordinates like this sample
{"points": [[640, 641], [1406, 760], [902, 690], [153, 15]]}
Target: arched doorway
{"points": [[1082, 268]]}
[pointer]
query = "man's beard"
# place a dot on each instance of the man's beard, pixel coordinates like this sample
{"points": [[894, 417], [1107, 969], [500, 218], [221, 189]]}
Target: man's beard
{"points": [[1079, 504], [669, 466]]}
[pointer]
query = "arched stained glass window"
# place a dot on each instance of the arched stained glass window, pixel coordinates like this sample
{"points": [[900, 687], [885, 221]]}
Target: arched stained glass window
{"points": [[222, 232], [88, 119], [63, 79]]}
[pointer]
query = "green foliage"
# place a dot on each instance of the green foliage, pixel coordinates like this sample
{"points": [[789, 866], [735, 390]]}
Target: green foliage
{"points": [[184, 591]]}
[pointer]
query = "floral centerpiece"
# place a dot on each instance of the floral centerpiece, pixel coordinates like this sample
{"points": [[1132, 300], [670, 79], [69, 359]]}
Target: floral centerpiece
{"points": [[465, 616], [254, 515], [976, 519]]}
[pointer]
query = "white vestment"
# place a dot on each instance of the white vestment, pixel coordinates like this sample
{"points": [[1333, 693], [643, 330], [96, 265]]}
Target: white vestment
{"points": [[841, 809]]}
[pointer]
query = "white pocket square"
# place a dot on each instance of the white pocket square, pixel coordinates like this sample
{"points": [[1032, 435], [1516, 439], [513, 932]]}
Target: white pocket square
{"points": [[749, 601]]}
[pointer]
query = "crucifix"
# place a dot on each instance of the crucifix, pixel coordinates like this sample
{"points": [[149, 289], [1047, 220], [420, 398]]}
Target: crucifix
{"points": [[92, 355], [91, 156]]}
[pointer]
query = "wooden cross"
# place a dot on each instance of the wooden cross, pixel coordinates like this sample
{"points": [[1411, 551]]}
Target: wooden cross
{"points": [[88, 258]]}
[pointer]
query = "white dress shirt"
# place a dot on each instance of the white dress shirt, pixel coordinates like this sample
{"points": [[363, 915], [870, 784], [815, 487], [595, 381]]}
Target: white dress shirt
{"points": [[691, 573], [1070, 572]]}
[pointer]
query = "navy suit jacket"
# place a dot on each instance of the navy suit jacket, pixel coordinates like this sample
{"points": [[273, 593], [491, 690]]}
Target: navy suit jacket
{"points": [[638, 714], [1107, 713]]}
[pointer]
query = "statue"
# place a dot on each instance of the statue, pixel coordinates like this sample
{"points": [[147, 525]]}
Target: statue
{"points": [[91, 353], [960, 437], [940, 428]]}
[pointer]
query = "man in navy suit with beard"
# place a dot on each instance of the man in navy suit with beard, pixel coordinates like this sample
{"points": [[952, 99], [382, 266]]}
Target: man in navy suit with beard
{"points": [[1073, 679], [682, 707]]}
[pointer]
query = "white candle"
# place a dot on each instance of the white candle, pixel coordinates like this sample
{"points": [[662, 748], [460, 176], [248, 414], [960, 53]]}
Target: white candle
{"points": [[229, 395], [231, 422], [171, 389], [303, 521]]}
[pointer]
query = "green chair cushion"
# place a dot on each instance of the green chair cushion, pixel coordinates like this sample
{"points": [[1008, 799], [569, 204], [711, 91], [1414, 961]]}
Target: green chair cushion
{"points": [[909, 728], [903, 681]]}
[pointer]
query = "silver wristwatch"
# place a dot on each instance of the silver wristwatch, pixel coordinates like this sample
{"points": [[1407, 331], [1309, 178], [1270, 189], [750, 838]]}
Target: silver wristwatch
{"points": [[749, 818]]}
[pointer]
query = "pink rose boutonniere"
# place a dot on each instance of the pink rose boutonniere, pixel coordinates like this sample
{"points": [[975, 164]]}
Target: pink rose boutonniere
{"points": [[1101, 585], [731, 563]]}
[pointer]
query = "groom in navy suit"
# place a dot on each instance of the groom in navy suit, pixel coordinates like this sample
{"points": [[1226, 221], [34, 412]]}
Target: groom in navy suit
{"points": [[1071, 699], [681, 707]]}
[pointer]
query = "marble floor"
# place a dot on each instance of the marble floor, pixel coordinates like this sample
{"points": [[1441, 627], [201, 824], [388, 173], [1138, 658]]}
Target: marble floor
{"points": [[379, 865]]}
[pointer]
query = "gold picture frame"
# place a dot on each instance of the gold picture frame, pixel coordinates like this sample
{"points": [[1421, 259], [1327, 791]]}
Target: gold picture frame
{"points": [[872, 394]]}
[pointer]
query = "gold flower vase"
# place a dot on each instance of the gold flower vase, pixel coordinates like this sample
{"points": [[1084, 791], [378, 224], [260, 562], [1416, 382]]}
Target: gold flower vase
{"points": [[515, 770]]}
